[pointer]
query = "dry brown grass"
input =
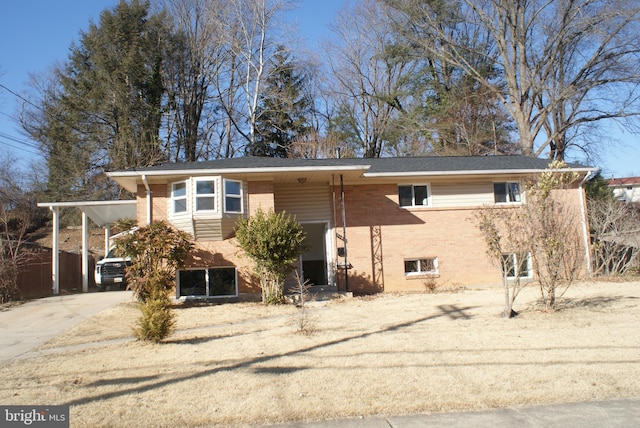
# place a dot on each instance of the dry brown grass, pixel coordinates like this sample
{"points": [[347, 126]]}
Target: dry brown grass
{"points": [[244, 363]]}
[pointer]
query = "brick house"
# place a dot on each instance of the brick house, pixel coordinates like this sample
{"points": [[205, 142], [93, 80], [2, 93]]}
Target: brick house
{"points": [[408, 221]]}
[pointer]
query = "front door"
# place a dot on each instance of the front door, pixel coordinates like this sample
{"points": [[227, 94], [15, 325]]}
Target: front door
{"points": [[314, 260]]}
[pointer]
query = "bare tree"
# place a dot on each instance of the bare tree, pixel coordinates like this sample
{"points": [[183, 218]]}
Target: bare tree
{"points": [[615, 234], [369, 84], [563, 64], [18, 214], [195, 51], [251, 29], [544, 231], [508, 247]]}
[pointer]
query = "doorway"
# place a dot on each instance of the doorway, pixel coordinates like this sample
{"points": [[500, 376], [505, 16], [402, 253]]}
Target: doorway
{"points": [[313, 262]]}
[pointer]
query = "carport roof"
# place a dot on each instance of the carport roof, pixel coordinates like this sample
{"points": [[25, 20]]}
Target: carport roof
{"points": [[103, 213]]}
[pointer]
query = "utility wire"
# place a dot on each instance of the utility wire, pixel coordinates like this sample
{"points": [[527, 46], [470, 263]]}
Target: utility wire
{"points": [[24, 149], [20, 141]]}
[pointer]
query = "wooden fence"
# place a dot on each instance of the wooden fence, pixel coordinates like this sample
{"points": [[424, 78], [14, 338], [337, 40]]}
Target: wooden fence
{"points": [[35, 279]]}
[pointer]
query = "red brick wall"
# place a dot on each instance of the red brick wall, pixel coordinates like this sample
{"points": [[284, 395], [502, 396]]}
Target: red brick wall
{"points": [[374, 220], [380, 237]]}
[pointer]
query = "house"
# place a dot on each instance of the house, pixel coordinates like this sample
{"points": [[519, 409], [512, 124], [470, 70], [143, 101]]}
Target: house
{"points": [[626, 189], [389, 224]]}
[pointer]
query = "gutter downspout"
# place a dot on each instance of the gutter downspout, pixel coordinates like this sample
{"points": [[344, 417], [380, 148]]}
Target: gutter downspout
{"points": [[149, 202], [344, 237], [583, 220]]}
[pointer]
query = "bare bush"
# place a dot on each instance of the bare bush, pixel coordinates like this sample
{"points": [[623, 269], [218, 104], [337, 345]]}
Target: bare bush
{"points": [[304, 321], [615, 236]]}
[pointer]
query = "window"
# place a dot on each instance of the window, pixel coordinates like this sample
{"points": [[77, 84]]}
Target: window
{"points": [[232, 196], [421, 266], [517, 262], [205, 195], [179, 197], [506, 193], [413, 195], [211, 282]]}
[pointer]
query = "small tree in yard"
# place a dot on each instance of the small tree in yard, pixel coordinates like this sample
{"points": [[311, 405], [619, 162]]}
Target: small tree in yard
{"points": [[274, 242], [157, 251], [503, 234], [553, 231], [545, 228]]}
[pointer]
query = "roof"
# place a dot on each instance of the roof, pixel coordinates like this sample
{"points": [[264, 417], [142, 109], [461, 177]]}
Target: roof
{"points": [[372, 165], [362, 167], [103, 213], [625, 181]]}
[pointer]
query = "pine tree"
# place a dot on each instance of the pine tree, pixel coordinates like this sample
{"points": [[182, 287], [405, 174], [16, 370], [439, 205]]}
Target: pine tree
{"points": [[284, 111]]}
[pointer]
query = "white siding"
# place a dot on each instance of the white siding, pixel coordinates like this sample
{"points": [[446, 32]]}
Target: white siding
{"points": [[308, 202], [461, 194], [208, 229]]}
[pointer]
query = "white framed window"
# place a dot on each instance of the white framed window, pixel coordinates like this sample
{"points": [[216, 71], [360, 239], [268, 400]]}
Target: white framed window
{"points": [[517, 265], [205, 193], [208, 282], [421, 266], [179, 197], [232, 196], [507, 192], [414, 195]]}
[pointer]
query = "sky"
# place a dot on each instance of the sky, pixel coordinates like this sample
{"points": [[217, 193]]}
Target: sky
{"points": [[36, 34]]}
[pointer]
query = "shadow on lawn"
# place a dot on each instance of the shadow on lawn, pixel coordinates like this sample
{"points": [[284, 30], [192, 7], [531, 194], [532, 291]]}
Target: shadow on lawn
{"points": [[598, 302], [446, 310], [566, 303]]}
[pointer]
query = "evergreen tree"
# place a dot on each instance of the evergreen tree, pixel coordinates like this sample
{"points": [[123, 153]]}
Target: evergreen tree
{"points": [[284, 111]]}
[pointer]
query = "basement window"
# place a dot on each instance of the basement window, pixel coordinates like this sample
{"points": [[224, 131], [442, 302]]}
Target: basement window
{"points": [[209, 282], [517, 265], [421, 266]]}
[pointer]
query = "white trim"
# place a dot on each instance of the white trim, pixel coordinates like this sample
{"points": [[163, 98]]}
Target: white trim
{"points": [[184, 197], [215, 195], [328, 251], [80, 204], [435, 270], [583, 221], [514, 261], [466, 172], [234, 196], [506, 183], [227, 171], [413, 196]]}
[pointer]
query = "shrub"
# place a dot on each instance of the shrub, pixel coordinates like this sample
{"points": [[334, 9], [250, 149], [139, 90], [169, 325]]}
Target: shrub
{"points": [[274, 242], [157, 320]]}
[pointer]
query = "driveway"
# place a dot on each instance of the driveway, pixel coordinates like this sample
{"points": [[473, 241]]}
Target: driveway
{"points": [[25, 327]]}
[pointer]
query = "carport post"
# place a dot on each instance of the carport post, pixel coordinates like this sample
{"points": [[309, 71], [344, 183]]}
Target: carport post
{"points": [[55, 263], [107, 236], [85, 253]]}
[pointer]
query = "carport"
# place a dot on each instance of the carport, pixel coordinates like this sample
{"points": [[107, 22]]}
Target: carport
{"points": [[103, 213]]}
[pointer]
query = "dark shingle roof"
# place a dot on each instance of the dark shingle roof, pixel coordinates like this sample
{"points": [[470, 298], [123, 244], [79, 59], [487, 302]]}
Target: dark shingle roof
{"points": [[429, 164]]}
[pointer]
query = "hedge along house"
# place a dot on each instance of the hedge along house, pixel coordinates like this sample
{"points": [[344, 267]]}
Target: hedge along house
{"points": [[373, 225]]}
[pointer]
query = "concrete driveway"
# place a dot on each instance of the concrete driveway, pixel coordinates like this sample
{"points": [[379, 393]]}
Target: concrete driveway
{"points": [[25, 327]]}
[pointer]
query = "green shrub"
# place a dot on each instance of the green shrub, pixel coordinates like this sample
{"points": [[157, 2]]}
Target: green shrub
{"points": [[274, 241], [157, 321]]}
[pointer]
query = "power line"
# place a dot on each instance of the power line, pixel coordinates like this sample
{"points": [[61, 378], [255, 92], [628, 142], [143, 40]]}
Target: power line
{"points": [[18, 140], [24, 149]]}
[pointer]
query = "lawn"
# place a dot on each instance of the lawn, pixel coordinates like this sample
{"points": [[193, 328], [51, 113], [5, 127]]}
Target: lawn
{"points": [[246, 364]]}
